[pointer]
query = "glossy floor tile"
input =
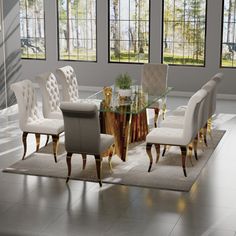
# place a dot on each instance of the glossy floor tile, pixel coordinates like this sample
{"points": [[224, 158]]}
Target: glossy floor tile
{"points": [[42, 206]]}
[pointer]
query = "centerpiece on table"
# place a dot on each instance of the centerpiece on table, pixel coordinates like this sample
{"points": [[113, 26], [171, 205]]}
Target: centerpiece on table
{"points": [[123, 83]]}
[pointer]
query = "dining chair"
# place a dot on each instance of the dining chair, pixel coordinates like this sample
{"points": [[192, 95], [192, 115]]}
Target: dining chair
{"points": [[82, 135], [154, 82], [67, 79], [181, 137], [50, 95], [30, 119]]}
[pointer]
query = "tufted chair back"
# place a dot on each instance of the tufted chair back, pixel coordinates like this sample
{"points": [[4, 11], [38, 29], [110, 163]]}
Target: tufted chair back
{"points": [[192, 115], [82, 128], [154, 78], [27, 103], [50, 95], [67, 79]]}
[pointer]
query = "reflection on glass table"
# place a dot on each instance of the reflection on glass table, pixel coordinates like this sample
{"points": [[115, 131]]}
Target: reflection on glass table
{"points": [[125, 117]]}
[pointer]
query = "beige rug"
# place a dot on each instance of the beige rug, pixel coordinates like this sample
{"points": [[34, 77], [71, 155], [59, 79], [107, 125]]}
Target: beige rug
{"points": [[167, 174]]}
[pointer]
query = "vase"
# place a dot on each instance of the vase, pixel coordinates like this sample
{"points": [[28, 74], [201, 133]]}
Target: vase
{"points": [[125, 92]]}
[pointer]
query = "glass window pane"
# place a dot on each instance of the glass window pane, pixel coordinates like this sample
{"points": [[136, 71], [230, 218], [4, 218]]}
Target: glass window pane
{"points": [[129, 31], [184, 32], [77, 29], [32, 29]]}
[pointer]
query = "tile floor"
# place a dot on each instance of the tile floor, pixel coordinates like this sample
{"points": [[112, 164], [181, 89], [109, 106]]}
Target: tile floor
{"points": [[42, 206]]}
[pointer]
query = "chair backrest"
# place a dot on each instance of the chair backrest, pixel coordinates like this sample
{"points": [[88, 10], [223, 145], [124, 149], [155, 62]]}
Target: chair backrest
{"points": [[191, 123], [210, 87], [154, 78], [82, 128], [27, 102], [50, 95], [68, 80]]}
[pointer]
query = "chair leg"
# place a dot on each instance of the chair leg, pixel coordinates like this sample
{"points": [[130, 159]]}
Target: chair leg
{"points": [[156, 110], [111, 153], [164, 151], [37, 138], [68, 162], [205, 134], [148, 150], [195, 142], [184, 151], [84, 157], [157, 146], [47, 140], [189, 153], [163, 111], [24, 140], [98, 167], [55, 139]]}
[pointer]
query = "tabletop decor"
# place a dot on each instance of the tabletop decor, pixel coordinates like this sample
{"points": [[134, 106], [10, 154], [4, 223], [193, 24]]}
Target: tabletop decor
{"points": [[123, 83]]}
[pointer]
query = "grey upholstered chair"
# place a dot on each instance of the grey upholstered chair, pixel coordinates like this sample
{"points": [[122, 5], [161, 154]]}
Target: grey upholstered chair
{"points": [[82, 134], [178, 136], [30, 119], [154, 82]]}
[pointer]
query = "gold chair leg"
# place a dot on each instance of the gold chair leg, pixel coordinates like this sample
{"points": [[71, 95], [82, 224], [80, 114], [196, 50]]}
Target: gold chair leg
{"points": [[47, 140], [163, 111], [184, 151], [111, 153], [149, 153], [156, 110], [68, 162], [37, 138], [98, 167], [55, 139], [84, 157], [24, 140]]}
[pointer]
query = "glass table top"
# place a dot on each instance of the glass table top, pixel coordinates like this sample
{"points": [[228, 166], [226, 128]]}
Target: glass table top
{"points": [[109, 100]]}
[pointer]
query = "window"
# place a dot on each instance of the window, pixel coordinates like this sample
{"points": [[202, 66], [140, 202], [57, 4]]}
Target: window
{"points": [[32, 29], [228, 51], [129, 31], [77, 30], [184, 29]]}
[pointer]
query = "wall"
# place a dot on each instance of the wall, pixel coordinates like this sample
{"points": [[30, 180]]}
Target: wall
{"points": [[10, 62], [102, 73]]}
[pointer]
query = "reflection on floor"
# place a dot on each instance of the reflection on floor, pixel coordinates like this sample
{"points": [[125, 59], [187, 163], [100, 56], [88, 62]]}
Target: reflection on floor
{"points": [[31, 205]]}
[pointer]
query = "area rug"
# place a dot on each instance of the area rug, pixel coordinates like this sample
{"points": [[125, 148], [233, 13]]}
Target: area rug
{"points": [[166, 174]]}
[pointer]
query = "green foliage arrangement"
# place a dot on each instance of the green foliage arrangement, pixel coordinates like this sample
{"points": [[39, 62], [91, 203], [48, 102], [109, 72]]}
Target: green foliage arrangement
{"points": [[124, 81]]}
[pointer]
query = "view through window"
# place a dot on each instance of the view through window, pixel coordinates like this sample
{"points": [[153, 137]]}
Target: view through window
{"points": [[32, 29], [184, 32], [77, 30], [228, 54], [129, 31]]}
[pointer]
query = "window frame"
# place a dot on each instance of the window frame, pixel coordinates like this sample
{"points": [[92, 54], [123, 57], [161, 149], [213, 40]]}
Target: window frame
{"points": [[45, 47], [205, 37], [149, 33], [58, 38]]}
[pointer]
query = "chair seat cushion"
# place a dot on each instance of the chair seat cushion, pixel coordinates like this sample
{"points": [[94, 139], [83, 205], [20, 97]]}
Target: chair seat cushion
{"points": [[173, 122], [106, 141], [97, 102], [45, 126], [180, 111], [166, 136]]}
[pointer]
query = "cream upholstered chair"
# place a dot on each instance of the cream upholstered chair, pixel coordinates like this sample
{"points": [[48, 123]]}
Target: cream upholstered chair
{"points": [[50, 95], [154, 81], [82, 134], [177, 137], [30, 119], [68, 81], [179, 111]]}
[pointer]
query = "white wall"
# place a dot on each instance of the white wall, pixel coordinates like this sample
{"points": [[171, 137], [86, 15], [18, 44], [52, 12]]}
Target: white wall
{"points": [[103, 73]]}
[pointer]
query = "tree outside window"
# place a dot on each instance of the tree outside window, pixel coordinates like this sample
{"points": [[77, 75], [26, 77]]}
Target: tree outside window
{"points": [[228, 53], [32, 30], [184, 29], [129, 31], [77, 30]]}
